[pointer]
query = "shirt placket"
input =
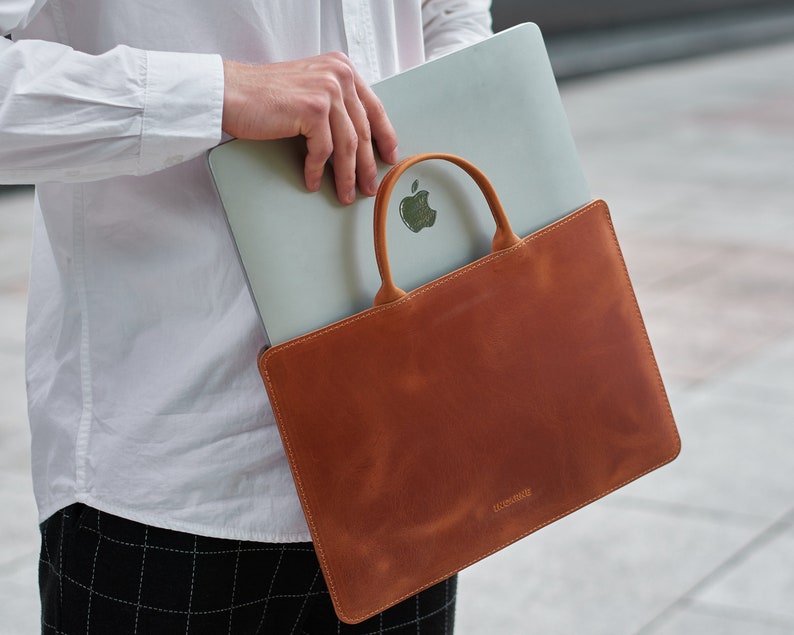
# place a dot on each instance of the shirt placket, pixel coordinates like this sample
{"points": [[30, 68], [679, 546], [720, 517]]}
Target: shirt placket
{"points": [[360, 34]]}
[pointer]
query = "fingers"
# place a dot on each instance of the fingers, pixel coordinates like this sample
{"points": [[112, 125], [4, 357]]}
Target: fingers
{"points": [[382, 132], [334, 136], [322, 98], [374, 125], [354, 114], [345, 127], [320, 148]]}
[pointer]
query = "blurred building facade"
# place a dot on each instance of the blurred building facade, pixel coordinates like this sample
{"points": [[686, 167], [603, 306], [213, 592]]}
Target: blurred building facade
{"points": [[564, 16], [584, 37]]}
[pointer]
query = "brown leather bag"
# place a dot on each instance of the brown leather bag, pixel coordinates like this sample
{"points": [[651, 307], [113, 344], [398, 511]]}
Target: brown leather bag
{"points": [[443, 424]]}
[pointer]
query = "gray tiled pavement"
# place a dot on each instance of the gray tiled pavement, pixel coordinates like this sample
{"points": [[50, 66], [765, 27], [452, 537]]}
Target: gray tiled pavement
{"points": [[696, 159]]}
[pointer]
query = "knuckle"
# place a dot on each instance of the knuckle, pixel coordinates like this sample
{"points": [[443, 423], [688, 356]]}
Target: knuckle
{"points": [[376, 110], [327, 82], [337, 58], [365, 134], [342, 70], [348, 143], [323, 151], [329, 87], [318, 106]]}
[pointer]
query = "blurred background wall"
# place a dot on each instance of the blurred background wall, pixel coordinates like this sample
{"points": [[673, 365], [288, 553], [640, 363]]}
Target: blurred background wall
{"points": [[586, 37], [563, 16]]}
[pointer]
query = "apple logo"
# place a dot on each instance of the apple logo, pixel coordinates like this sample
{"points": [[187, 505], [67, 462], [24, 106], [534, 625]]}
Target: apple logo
{"points": [[415, 210]]}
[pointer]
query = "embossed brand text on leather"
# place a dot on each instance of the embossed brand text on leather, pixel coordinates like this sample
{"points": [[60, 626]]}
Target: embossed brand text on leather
{"points": [[526, 493]]}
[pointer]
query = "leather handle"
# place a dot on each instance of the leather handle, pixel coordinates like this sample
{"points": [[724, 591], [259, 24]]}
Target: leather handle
{"points": [[504, 236]]}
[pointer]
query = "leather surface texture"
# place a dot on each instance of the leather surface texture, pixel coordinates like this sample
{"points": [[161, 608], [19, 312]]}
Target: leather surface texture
{"points": [[444, 424]]}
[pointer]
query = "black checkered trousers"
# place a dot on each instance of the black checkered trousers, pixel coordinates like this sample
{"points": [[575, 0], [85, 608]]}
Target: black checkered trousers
{"points": [[104, 575]]}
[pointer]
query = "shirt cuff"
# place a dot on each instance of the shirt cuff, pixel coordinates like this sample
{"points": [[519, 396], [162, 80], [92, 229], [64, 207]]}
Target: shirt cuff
{"points": [[183, 108]]}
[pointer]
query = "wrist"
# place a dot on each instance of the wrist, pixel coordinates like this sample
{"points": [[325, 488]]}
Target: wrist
{"points": [[231, 93]]}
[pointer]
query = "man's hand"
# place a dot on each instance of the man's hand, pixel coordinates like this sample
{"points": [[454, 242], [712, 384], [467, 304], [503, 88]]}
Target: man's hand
{"points": [[322, 98]]}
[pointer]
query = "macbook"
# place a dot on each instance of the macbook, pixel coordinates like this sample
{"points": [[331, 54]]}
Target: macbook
{"points": [[309, 261]]}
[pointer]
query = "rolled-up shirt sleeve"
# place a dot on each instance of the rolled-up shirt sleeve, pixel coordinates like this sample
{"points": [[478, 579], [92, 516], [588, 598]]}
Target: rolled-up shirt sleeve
{"points": [[452, 24], [71, 116]]}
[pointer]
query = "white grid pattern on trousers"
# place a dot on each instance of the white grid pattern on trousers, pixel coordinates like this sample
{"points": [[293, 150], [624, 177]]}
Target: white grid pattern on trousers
{"points": [[100, 572]]}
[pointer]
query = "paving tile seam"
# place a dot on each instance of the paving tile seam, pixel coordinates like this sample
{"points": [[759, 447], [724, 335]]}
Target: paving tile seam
{"points": [[723, 611], [19, 563], [688, 384], [678, 510], [723, 373], [789, 517], [775, 395], [763, 538], [740, 614], [721, 260], [703, 273], [767, 398]]}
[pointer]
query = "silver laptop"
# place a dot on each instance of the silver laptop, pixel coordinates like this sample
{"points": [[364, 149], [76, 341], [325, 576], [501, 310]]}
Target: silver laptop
{"points": [[309, 261]]}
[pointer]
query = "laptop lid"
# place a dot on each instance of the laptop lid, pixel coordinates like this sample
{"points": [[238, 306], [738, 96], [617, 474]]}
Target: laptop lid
{"points": [[309, 260]]}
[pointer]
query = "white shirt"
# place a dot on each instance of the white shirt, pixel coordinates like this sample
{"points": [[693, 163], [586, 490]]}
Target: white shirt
{"points": [[144, 397]]}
